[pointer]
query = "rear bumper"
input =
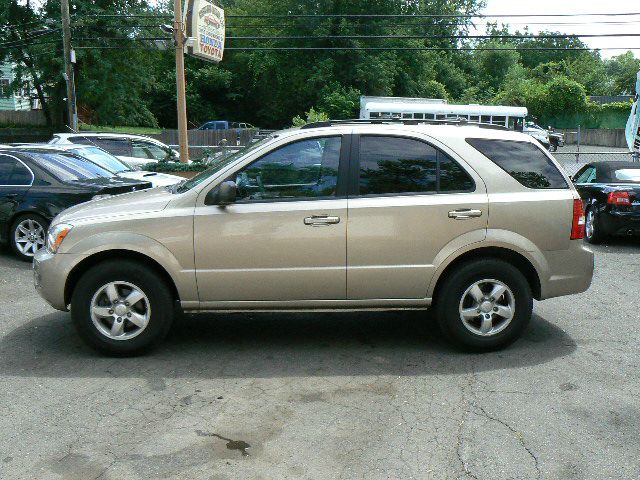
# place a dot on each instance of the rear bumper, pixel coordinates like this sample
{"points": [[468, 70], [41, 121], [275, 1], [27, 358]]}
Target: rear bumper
{"points": [[572, 271], [619, 222]]}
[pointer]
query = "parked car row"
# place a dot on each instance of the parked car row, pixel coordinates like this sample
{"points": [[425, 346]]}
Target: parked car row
{"points": [[135, 150], [37, 182]]}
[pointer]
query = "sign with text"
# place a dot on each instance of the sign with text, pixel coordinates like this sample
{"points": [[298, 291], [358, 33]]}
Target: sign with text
{"points": [[205, 29]]}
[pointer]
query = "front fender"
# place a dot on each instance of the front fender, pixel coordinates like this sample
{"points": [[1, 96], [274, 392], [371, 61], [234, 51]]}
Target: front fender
{"points": [[183, 275]]}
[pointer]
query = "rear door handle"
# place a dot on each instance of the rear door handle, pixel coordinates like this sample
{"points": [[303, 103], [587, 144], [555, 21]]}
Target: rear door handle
{"points": [[321, 220], [465, 214], [11, 195]]}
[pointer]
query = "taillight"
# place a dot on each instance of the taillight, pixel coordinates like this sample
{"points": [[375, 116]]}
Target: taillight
{"points": [[577, 226], [619, 198]]}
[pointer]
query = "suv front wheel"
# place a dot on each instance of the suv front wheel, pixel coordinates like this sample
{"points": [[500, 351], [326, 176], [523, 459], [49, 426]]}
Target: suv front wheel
{"points": [[122, 308], [484, 305]]}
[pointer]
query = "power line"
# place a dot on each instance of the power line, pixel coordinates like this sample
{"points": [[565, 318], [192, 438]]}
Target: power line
{"points": [[341, 15], [22, 45], [418, 37], [472, 49], [478, 49]]}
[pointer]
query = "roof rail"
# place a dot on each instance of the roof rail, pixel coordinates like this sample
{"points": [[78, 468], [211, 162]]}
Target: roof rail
{"points": [[461, 121]]}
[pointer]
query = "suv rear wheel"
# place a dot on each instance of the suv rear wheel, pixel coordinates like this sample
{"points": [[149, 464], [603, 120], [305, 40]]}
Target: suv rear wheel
{"points": [[484, 305], [122, 308]]}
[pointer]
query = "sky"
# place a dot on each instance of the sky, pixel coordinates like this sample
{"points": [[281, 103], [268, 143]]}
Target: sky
{"points": [[585, 25]]}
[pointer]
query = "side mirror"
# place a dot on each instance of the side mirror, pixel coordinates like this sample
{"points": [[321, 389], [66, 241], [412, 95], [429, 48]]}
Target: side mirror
{"points": [[224, 194]]}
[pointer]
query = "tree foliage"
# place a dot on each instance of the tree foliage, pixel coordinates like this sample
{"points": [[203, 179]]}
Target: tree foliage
{"points": [[134, 84]]}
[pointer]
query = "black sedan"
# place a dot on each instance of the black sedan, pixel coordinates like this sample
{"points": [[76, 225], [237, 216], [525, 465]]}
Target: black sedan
{"points": [[37, 184], [611, 195]]}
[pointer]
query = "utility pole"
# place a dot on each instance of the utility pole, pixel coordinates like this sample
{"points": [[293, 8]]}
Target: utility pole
{"points": [[68, 65], [178, 35]]}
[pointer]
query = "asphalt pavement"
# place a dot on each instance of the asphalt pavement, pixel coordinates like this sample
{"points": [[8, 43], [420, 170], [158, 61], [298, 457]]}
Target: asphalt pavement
{"points": [[328, 396]]}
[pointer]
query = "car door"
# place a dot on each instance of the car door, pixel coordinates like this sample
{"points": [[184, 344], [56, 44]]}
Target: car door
{"points": [[584, 181], [408, 200], [284, 239], [15, 180]]}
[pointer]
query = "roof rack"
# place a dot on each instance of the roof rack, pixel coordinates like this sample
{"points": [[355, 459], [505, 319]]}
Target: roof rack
{"points": [[461, 121]]}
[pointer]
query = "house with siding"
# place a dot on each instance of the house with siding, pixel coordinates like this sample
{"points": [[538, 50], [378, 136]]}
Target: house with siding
{"points": [[9, 100]]}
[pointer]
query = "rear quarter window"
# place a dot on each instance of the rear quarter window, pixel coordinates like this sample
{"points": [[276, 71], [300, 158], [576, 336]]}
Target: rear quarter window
{"points": [[524, 161]]}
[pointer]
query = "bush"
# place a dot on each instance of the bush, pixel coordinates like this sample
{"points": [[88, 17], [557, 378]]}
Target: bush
{"points": [[172, 167], [312, 117]]}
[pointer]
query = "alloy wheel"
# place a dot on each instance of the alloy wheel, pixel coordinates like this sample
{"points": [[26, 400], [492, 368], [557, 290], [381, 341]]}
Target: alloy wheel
{"points": [[29, 237], [120, 310], [589, 227], [487, 307]]}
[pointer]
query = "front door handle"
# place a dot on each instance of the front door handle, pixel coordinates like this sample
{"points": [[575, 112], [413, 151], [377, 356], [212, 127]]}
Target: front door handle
{"points": [[465, 214], [321, 220]]}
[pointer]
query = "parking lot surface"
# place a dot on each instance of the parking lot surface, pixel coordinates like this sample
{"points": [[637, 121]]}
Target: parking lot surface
{"points": [[328, 395]]}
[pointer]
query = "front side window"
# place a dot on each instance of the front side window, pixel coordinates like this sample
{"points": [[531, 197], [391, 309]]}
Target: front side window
{"points": [[524, 161], [303, 169], [395, 165], [13, 173]]}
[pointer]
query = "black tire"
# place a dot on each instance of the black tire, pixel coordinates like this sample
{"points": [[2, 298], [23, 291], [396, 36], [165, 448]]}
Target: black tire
{"points": [[451, 292], [161, 307], [34, 220], [597, 235]]}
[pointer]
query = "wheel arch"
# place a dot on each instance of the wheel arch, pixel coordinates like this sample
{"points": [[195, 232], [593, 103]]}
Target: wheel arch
{"points": [[109, 255], [517, 259]]}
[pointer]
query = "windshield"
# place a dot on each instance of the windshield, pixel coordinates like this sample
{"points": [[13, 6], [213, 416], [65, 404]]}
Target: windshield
{"points": [[219, 164], [102, 159], [631, 175], [68, 167]]}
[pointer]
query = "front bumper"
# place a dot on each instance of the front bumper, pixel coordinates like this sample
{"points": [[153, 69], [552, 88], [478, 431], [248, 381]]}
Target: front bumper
{"points": [[50, 273]]}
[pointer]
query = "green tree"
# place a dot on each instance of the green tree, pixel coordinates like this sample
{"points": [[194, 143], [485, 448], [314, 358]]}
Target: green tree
{"points": [[494, 62], [623, 70]]}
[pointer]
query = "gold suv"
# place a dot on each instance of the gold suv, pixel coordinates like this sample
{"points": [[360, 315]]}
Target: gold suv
{"points": [[472, 221]]}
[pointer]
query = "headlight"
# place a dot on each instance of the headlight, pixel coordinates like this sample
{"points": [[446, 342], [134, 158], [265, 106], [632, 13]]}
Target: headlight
{"points": [[56, 235]]}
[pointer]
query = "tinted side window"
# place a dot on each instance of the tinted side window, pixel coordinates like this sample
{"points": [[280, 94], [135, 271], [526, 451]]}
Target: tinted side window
{"points": [[452, 176], [396, 165], [147, 150], [522, 160], [12, 172], [402, 165], [112, 145], [308, 168]]}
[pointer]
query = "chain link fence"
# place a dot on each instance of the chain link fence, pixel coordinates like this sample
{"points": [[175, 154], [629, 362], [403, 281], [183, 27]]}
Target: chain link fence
{"points": [[572, 160]]}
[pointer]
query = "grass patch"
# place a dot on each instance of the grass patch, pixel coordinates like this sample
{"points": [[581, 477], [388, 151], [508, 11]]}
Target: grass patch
{"points": [[106, 129]]}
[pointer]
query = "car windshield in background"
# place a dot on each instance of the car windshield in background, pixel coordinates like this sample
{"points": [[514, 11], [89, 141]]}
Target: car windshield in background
{"points": [[102, 159], [524, 161], [627, 175], [70, 167], [219, 165]]}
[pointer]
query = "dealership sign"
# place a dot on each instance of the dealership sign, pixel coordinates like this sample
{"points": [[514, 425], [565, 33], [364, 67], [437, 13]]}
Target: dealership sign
{"points": [[205, 29]]}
